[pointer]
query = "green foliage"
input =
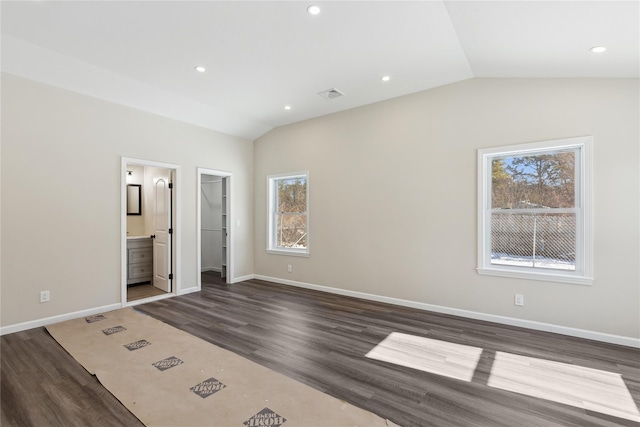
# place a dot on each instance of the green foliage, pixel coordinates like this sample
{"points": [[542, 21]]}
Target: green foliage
{"points": [[501, 182]]}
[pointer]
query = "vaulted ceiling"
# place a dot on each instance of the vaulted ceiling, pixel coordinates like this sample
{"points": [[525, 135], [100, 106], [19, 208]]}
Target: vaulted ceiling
{"points": [[264, 55]]}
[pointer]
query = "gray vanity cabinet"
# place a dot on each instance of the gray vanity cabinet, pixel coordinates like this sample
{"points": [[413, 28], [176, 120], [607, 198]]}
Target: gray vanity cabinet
{"points": [[139, 260]]}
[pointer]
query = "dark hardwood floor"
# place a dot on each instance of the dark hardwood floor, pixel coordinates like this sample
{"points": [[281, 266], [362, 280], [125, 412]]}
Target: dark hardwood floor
{"points": [[319, 339]]}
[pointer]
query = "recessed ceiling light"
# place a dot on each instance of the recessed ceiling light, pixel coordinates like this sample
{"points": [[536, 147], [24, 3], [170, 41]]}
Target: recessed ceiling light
{"points": [[313, 9], [385, 78], [200, 69], [598, 49], [287, 107]]}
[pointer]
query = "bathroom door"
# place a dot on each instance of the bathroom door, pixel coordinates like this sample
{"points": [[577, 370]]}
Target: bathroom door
{"points": [[163, 234]]}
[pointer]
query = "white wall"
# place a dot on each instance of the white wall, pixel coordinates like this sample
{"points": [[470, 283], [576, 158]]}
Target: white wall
{"points": [[393, 197], [61, 189]]}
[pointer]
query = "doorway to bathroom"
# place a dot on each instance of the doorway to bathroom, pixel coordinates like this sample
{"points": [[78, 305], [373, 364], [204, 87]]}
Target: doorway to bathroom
{"points": [[149, 253], [214, 219]]}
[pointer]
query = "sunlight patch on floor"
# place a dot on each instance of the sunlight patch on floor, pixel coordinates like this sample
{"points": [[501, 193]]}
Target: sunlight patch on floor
{"points": [[590, 389], [586, 388], [428, 355]]}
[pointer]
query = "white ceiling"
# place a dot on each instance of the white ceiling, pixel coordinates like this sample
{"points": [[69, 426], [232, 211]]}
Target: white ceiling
{"points": [[263, 55]]}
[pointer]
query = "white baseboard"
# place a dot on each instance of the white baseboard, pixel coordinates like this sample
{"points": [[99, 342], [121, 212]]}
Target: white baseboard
{"points": [[188, 290], [243, 278], [56, 319], [150, 299], [217, 269], [538, 326]]}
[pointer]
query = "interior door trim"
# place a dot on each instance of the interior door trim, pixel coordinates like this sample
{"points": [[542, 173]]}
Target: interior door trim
{"points": [[176, 253], [231, 224]]}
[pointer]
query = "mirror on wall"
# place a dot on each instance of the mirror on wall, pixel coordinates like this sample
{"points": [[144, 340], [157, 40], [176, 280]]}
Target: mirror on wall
{"points": [[134, 199]]}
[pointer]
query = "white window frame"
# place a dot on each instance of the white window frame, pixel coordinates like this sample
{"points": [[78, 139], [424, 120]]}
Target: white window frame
{"points": [[583, 273], [272, 248]]}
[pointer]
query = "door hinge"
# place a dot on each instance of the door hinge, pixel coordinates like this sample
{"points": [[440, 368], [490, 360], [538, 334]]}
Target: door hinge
{"points": [[171, 231], [171, 185], [170, 276]]}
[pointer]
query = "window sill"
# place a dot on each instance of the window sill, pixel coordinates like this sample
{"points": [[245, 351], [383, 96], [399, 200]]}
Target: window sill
{"points": [[546, 277], [289, 252]]}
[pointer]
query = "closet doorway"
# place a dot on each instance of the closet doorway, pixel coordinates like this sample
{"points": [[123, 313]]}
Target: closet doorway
{"points": [[214, 227]]}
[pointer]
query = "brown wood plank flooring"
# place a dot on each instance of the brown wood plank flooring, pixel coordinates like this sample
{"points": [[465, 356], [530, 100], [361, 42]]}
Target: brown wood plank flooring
{"points": [[319, 339], [142, 291]]}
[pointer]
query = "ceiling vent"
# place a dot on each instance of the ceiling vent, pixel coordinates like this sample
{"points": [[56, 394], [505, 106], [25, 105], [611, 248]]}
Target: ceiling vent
{"points": [[331, 93]]}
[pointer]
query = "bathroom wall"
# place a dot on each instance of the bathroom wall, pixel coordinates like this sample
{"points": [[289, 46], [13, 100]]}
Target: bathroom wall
{"points": [[136, 223]]}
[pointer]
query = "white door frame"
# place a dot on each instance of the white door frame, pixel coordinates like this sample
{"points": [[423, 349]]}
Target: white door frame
{"points": [[230, 218], [177, 215]]}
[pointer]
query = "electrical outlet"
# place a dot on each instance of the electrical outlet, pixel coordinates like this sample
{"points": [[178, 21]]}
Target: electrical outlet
{"points": [[45, 296], [289, 268], [519, 300]]}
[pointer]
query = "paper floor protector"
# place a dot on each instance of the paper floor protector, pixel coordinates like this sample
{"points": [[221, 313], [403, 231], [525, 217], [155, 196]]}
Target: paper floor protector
{"points": [[167, 377]]}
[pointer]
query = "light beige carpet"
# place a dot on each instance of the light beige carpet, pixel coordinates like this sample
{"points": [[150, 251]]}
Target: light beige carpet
{"points": [[167, 377]]}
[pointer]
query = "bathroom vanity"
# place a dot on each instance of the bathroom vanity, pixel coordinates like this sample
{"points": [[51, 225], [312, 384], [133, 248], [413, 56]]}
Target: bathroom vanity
{"points": [[139, 259]]}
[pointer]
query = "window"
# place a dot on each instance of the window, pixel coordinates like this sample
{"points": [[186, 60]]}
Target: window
{"points": [[534, 211], [288, 229]]}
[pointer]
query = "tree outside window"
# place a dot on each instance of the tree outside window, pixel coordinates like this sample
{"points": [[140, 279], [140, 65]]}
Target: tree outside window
{"points": [[288, 216], [534, 211], [533, 216]]}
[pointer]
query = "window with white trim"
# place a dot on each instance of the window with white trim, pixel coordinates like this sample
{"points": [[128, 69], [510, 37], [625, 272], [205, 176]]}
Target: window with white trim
{"points": [[288, 227], [534, 211]]}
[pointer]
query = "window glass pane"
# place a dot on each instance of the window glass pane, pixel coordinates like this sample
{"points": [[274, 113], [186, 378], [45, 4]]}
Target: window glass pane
{"points": [[291, 195], [534, 181], [291, 231], [534, 240]]}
